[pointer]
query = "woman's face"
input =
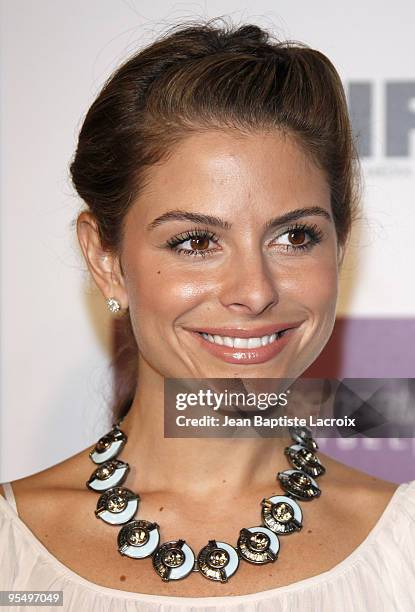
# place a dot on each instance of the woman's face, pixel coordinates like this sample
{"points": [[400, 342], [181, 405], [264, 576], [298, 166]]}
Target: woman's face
{"points": [[213, 267]]}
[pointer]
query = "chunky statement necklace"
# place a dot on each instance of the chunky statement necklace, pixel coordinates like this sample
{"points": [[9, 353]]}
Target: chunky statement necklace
{"points": [[281, 514]]}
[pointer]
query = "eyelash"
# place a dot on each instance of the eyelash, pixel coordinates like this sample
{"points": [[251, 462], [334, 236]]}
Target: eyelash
{"points": [[314, 233], [195, 233]]}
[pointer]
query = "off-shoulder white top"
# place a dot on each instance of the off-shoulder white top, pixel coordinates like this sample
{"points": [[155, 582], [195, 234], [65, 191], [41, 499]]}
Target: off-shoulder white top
{"points": [[378, 576]]}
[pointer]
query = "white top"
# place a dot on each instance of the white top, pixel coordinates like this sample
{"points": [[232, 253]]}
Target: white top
{"points": [[378, 576]]}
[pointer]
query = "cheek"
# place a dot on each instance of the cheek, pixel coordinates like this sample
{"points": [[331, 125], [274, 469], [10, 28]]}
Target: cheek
{"points": [[314, 293], [323, 286], [314, 285], [159, 294]]}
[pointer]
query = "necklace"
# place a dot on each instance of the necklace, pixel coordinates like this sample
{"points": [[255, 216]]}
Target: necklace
{"points": [[281, 514]]}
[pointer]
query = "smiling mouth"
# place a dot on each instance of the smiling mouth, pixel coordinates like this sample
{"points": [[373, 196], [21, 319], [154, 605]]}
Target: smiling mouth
{"points": [[243, 343], [238, 345]]}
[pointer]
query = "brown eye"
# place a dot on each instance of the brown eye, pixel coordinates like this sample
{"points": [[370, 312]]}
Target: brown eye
{"points": [[199, 244], [297, 236]]}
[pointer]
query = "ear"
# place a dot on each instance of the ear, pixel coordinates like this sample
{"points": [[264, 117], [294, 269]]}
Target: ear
{"points": [[341, 250], [103, 265]]}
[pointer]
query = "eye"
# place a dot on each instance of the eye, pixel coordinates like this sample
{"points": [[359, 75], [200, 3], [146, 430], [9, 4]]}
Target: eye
{"points": [[195, 242], [200, 242], [300, 237]]}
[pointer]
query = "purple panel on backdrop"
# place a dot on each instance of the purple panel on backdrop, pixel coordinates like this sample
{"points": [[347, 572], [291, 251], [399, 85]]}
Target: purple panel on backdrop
{"points": [[368, 348], [371, 348]]}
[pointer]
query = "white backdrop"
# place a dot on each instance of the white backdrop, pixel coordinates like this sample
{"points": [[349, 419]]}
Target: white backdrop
{"points": [[55, 55]]}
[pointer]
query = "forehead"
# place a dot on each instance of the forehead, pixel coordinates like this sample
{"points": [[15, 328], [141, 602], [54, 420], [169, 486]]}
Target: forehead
{"points": [[233, 173]]}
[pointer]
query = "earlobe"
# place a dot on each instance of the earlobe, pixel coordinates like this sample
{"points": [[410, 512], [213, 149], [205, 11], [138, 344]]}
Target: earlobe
{"points": [[103, 265]]}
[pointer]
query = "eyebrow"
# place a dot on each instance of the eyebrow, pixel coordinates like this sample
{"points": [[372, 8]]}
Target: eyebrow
{"points": [[184, 215]]}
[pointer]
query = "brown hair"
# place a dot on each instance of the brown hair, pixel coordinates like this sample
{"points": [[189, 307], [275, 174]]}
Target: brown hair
{"points": [[195, 77]]}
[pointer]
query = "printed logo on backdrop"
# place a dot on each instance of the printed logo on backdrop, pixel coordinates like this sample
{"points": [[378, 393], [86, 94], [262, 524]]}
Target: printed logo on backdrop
{"points": [[383, 120]]}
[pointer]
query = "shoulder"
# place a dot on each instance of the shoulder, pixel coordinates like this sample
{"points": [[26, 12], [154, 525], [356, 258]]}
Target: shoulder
{"points": [[49, 499], [356, 497], [356, 482], [51, 483], [359, 512]]}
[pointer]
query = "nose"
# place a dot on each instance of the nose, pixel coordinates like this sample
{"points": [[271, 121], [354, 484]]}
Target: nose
{"points": [[249, 286]]}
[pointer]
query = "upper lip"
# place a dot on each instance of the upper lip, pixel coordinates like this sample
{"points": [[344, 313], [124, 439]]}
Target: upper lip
{"points": [[243, 332]]}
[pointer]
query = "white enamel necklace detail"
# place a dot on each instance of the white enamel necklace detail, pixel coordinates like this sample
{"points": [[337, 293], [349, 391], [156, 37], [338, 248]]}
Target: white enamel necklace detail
{"points": [[281, 514]]}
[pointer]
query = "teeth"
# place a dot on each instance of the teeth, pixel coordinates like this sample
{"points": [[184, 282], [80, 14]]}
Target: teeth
{"points": [[242, 343]]}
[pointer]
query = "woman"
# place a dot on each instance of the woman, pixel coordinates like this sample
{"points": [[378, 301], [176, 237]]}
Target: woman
{"points": [[221, 181]]}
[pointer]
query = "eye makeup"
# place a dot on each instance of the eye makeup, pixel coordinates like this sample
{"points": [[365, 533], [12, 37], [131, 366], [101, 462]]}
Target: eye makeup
{"points": [[200, 238]]}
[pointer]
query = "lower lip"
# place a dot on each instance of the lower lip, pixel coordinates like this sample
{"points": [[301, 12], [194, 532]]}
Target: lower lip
{"points": [[246, 356]]}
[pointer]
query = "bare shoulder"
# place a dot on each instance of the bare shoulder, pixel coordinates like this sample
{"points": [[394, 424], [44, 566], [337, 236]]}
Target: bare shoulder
{"points": [[349, 476], [356, 494], [52, 482], [54, 504]]}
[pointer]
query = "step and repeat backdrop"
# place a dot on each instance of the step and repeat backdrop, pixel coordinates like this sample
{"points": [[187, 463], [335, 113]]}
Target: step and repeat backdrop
{"points": [[56, 335]]}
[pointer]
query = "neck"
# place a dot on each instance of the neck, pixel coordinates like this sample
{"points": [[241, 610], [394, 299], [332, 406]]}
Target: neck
{"points": [[195, 467]]}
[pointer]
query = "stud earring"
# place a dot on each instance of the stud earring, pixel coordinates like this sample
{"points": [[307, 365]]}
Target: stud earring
{"points": [[113, 305]]}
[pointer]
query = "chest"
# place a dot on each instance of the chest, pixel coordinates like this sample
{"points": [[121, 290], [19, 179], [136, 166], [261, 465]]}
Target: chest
{"points": [[68, 528], [90, 550]]}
